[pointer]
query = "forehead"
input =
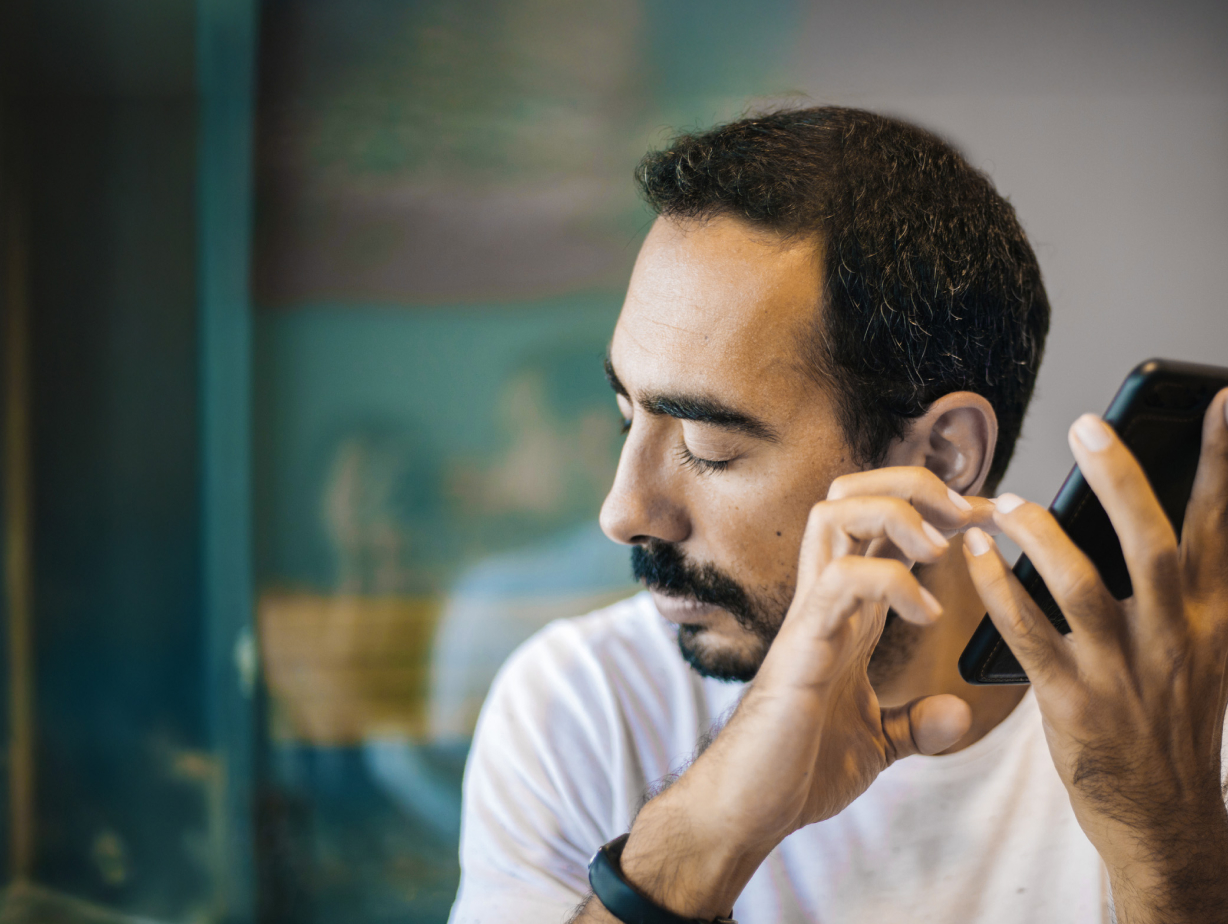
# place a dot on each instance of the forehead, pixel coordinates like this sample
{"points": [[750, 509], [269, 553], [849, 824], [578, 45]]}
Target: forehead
{"points": [[717, 305]]}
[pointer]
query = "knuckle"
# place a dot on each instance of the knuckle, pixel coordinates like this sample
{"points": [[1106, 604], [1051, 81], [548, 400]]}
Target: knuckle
{"points": [[840, 571], [996, 582], [1217, 505], [1033, 516], [854, 572], [1081, 583], [840, 487], [1000, 594], [819, 516], [901, 509], [1159, 554], [1018, 623], [1024, 624], [1041, 656], [896, 571], [1119, 479]]}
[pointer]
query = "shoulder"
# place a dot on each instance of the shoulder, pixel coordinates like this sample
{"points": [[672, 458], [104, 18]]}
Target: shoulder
{"points": [[632, 625], [562, 707], [557, 767], [627, 642], [581, 719], [574, 684]]}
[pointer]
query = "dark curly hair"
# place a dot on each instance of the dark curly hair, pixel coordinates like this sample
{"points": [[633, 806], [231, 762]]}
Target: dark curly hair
{"points": [[930, 285]]}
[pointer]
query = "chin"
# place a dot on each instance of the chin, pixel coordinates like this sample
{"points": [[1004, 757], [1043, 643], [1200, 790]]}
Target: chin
{"points": [[714, 655], [895, 650], [717, 654]]}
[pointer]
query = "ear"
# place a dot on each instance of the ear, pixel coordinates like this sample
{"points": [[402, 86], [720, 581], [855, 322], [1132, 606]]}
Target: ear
{"points": [[954, 439]]}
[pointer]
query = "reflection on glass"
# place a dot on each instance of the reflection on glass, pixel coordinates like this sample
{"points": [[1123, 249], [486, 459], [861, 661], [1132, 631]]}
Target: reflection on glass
{"points": [[436, 569], [446, 223]]}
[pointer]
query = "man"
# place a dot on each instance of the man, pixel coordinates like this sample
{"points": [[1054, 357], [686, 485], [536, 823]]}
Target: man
{"points": [[827, 347]]}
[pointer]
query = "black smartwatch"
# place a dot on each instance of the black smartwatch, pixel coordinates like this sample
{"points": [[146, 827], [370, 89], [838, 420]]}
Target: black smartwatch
{"points": [[623, 900]]}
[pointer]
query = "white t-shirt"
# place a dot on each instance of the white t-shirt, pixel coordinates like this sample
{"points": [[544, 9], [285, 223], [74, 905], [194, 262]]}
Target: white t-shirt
{"points": [[591, 711]]}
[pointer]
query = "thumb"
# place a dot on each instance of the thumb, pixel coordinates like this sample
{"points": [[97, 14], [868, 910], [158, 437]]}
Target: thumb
{"points": [[925, 726]]}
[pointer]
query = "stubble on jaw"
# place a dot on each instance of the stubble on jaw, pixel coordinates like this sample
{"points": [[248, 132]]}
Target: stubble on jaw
{"points": [[894, 651], [663, 567]]}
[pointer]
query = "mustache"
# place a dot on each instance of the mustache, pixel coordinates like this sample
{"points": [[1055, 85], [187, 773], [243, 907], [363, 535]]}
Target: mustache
{"points": [[662, 566]]}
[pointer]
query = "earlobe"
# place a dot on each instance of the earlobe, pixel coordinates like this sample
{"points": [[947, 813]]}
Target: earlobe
{"points": [[955, 439]]}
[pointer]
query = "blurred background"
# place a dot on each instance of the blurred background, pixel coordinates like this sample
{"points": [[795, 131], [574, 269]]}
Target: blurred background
{"points": [[305, 429]]}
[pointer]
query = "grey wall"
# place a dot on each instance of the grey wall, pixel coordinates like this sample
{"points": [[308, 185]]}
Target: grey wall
{"points": [[1107, 126]]}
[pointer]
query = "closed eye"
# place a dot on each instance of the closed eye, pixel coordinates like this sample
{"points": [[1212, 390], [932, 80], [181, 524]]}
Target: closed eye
{"points": [[701, 466]]}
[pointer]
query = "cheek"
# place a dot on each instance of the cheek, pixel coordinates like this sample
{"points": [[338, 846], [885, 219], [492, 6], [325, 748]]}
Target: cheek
{"points": [[752, 527]]}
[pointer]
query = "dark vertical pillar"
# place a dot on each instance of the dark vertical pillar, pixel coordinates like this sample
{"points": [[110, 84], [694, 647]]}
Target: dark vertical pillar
{"points": [[130, 795], [16, 642], [226, 48], [19, 647]]}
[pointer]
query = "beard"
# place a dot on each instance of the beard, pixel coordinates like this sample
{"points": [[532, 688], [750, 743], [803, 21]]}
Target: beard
{"points": [[662, 567]]}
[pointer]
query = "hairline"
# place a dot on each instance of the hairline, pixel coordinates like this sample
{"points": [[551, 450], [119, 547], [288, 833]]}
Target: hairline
{"points": [[814, 362]]}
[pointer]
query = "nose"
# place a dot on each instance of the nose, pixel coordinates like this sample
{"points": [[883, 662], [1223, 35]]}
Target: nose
{"points": [[640, 505]]}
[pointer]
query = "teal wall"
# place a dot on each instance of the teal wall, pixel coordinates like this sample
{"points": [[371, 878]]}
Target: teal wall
{"points": [[429, 376]]}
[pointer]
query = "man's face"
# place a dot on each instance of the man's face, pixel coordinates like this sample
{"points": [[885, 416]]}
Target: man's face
{"points": [[730, 441]]}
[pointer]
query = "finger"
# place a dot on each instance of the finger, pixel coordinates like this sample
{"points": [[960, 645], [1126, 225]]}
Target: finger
{"points": [[928, 725], [1039, 647], [885, 548], [1147, 538], [1069, 574], [849, 583], [937, 503], [845, 526], [1205, 531], [981, 516], [983, 509]]}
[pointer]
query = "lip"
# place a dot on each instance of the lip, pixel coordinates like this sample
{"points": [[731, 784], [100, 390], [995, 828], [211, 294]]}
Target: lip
{"points": [[682, 610]]}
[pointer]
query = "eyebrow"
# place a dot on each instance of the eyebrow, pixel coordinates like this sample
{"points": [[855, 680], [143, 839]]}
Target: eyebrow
{"points": [[698, 408], [612, 377]]}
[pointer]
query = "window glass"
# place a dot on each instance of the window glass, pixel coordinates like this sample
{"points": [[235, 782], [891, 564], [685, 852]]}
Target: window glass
{"points": [[446, 221]]}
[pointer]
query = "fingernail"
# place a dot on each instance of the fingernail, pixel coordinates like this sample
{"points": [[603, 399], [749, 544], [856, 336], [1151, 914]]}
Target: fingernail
{"points": [[958, 499], [931, 603], [1092, 432], [1005, 503], [934, 535], [977, 541]]}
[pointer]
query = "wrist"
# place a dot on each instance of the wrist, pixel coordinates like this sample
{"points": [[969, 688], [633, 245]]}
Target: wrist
{"points": [[693, 869], [1176, 875]]}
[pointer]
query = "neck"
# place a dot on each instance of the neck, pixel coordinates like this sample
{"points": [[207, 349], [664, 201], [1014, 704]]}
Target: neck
{"points": [[932, 665]]}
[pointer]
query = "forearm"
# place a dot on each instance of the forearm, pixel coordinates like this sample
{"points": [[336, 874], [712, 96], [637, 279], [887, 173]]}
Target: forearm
{"points": [[680, 863], [686, 859], [1181, 878]]}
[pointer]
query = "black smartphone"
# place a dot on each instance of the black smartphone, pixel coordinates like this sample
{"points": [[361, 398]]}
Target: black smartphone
{"points": [[1158, 413]]}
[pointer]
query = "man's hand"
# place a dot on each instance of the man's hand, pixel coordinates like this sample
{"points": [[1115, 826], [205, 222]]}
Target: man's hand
{"points": [[1133, 698], [809, 735]]}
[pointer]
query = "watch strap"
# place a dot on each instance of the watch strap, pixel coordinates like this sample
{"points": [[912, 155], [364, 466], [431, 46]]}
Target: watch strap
{"points": [[622, 899]]}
